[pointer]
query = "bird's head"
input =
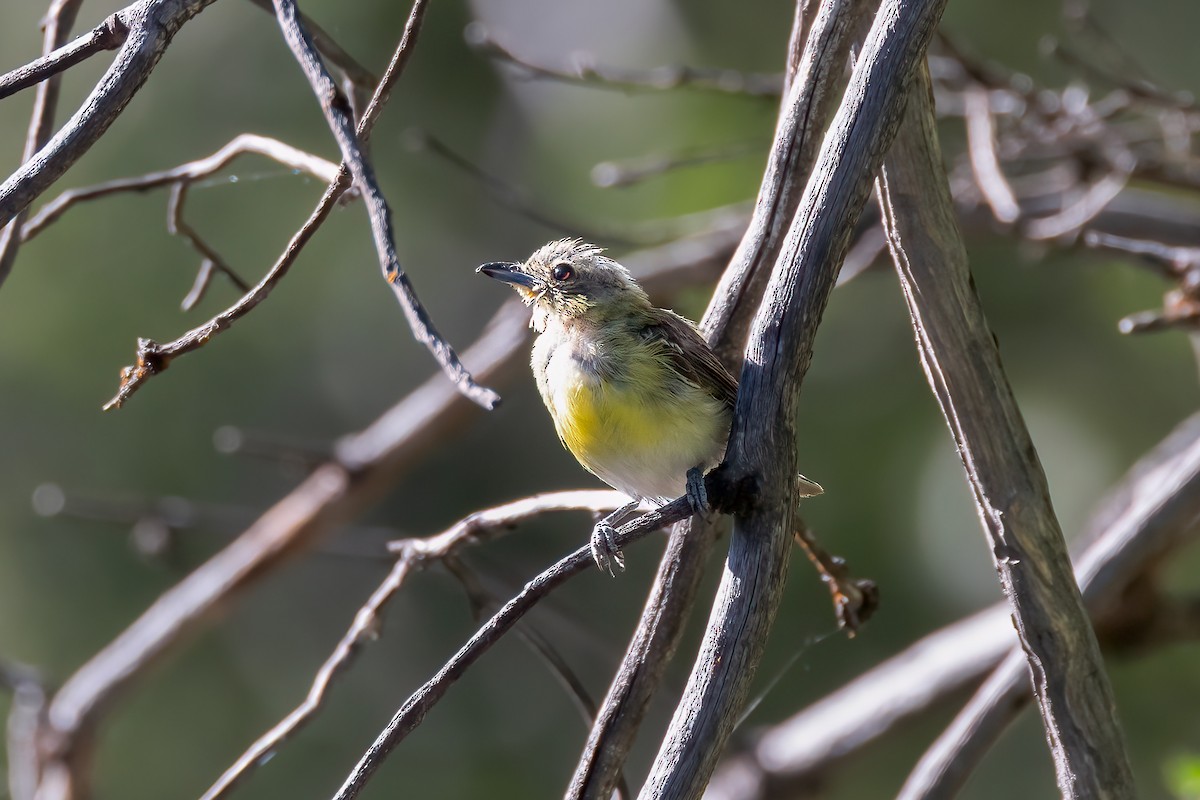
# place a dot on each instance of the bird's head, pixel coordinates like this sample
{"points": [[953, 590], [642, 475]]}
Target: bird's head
{"points": [[570, 280]]}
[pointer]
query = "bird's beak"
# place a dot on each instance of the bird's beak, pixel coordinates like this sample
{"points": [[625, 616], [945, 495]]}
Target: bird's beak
{"points": [[509, 272]]}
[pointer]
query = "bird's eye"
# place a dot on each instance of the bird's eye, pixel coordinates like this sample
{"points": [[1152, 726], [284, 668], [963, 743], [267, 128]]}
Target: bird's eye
{"points": [[562, 272]]}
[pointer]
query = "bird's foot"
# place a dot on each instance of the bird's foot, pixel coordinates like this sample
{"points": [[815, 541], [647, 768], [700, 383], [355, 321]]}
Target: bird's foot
{"points": [[697, 494], [605, 551]]}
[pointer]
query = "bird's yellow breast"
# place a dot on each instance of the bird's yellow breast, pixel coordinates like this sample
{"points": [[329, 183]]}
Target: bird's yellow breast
{"points": [[639, 431]]}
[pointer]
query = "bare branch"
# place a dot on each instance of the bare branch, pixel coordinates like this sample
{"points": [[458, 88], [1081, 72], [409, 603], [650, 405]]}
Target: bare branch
{"points": [[421, 701], [981, 144], [586, 72], [762, 443], [108, 35], [1154, 509], [622, 174], [341, 121], [364, 466], [153, 358], [802, 122], [411, 555], [962, 362], [360, 79], [190, 172], [151, 25], [56, 27], [24, 714]]}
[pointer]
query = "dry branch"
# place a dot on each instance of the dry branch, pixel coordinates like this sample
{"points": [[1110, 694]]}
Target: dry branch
{"points": [[153, 358], [961, 360], [56, 26], [340, 117], [586, 72], [825, 44], [411, 555], [1153, 510], [108, 35], [151, 25], [762, 443], [190, 172]]}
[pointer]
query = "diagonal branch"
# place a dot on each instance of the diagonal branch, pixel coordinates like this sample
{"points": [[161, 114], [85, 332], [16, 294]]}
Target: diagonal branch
{"points": [[762, 450], [411, 555], [338, 114], [151, 25], [1151, 512], [153, 358], [962, 362], [57, 25], [108, 35], [410, 715]]}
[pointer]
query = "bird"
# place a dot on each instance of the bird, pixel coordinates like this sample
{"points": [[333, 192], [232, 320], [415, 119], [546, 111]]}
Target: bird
{"points": [[635, 392]]}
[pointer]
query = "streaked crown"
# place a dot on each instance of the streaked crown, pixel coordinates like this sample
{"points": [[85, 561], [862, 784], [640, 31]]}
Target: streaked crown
{"points": [[570, 278]]}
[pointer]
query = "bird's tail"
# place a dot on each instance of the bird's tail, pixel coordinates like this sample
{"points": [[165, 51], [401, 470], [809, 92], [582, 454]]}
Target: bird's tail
{"points": [[808, 488]]}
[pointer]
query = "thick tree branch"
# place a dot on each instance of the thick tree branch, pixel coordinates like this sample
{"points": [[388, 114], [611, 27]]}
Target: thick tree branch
{"points": [[821, 50], [803, 118], [962, 362], [1153, 510], [762, 443]]}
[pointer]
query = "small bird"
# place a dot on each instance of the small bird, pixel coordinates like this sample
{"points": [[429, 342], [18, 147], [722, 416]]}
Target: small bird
{"points": [[635, 392]]}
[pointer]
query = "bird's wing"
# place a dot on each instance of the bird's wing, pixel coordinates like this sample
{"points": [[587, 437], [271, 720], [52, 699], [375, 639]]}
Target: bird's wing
{"points": [[690, 355]]}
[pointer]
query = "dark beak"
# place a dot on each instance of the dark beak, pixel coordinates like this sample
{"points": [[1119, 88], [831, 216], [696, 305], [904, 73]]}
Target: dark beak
{"points": [[508, 272]]}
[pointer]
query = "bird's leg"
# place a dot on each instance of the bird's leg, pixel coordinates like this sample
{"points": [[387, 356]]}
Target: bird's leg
{"points": [[605, 551], [697, 495]]}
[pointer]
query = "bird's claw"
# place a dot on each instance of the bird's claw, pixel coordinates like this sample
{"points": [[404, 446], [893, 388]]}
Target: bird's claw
{"points": [[697, 494], [605, 551]]}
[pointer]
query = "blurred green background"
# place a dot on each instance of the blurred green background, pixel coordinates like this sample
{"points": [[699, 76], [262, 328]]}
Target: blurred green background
{"points": [[329, 351]]}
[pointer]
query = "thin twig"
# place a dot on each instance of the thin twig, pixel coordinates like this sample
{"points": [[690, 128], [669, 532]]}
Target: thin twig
{"points": [[586, 72], [153, 358], [178, 226], [981, 145], [108, 35], [622, 174], [484, 602], [189, 172], [410, 714], [341, 122], [359, 77], [411, 555]]}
